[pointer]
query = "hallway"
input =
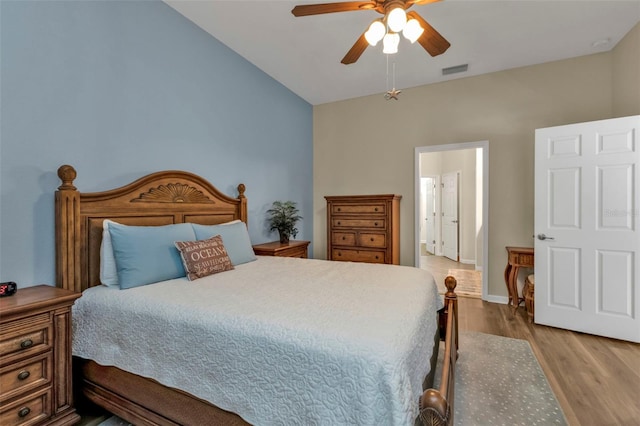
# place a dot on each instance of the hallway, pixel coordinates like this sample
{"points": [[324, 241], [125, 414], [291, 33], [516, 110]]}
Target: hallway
{"points": [[469, 280]]}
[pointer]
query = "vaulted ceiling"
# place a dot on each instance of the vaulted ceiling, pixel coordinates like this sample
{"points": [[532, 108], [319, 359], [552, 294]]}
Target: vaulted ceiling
{"points": [[304, 53]]}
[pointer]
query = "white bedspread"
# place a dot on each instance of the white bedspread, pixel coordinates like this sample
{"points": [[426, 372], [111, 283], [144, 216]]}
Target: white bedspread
{"points": [[277, 341]]}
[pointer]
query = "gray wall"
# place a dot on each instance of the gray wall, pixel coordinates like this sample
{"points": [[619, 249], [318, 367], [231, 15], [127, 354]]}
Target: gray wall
{"points": [[119, 89]]}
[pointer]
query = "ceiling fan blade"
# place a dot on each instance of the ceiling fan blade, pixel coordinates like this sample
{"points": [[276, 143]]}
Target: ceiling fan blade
{"points": [[356, 50], [317, 9], [430, 39], [420, 2]]}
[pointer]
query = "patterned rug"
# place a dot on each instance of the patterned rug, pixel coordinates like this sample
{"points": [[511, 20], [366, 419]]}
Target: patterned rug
{"points": [[499, 382], [469, 282]]}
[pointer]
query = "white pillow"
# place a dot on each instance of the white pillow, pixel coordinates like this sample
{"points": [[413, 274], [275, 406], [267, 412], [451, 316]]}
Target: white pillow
{"points": [[108, 271]]}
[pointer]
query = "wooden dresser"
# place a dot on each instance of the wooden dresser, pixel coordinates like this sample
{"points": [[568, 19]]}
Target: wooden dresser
{"points": [[35, 357], [364, 228]]}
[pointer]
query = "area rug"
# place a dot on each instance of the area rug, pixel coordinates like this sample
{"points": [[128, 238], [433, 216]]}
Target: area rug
{"points": [[499, 382]]}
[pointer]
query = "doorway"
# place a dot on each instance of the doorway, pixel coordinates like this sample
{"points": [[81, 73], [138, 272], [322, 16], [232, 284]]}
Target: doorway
{"points": [[462, 229]]}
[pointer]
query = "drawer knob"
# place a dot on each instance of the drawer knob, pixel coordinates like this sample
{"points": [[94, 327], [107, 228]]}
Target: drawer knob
{"points": [[339, 209], [24, 412], [27, 343], [375, 223], [376, 256], [376, 209], [23, 375], [371, 239], [344, 238], [338, 223]]}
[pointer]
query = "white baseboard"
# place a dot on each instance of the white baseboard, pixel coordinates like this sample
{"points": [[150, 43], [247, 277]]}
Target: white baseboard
{"points": [[496, 299], [478, 268], [468, 261]]}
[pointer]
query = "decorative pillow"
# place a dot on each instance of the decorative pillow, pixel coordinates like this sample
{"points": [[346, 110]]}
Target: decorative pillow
{"points": [[204, 257], [234, 236], [147, 254], [108, 271]]}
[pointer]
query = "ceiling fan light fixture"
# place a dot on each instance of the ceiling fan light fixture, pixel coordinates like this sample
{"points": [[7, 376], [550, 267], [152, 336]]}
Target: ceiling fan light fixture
{"points": [[412, 31], [375, 33], [390, 43], [397, 19]]}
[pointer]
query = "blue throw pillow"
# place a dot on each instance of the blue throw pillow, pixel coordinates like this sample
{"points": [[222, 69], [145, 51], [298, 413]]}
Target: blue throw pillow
{"points": [[235, 238], [147, 254]]}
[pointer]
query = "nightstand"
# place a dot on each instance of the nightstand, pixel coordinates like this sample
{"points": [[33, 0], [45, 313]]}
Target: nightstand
{"points": [[35, 357], [276, 248]]}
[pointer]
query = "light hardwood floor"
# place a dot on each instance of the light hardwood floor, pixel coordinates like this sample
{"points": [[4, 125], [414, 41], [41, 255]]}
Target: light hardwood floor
{"points": [[596, 380], [469, 280]]}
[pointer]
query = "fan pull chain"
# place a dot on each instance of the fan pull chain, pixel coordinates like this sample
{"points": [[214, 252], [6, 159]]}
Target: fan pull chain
{"points": [[393, 93]]}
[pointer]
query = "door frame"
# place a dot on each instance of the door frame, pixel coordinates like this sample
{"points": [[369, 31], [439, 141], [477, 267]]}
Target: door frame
{"points": [[484, 145]]}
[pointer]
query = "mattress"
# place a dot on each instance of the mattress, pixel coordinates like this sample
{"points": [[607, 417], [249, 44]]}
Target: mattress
{"points": [[277, 341]]}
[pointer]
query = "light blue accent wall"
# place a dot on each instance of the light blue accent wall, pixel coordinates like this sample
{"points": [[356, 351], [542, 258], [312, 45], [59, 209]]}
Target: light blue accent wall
{"points": [[119, 89]]}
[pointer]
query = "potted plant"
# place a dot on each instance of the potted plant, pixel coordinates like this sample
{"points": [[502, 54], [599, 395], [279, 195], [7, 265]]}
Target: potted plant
{"points": [[283, 216]]}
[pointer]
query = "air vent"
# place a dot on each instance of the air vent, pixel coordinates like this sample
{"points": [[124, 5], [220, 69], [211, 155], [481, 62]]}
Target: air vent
{"points": [[454, 70]]}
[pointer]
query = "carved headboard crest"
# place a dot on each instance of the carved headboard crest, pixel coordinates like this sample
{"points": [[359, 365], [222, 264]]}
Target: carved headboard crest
{"points": [[174, 193]]}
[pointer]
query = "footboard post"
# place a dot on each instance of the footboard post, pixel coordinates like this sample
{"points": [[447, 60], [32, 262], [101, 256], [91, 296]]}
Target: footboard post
{"points": [[436, 405]]}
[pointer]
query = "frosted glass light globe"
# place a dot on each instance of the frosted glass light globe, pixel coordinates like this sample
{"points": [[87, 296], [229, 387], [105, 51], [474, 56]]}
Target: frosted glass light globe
{"points": [[375, 33], [390, 43], [397, 19]]}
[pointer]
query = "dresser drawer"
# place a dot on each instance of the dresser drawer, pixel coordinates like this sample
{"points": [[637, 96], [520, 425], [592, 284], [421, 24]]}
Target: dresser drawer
{"points": [[25, 336], [372, 240], [27, 411], [23, 376], [372, 208], [346, 222], [343, 238], [369, 256]]}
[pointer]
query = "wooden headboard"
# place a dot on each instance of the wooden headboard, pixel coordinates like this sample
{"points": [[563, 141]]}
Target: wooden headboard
{"points": [[160, 198]]}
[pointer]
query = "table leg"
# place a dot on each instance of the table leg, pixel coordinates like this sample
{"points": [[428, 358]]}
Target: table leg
{"points": [[513, 282], [507, 272]]}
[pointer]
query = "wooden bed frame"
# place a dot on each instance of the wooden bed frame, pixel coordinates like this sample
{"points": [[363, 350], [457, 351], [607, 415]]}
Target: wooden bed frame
{"points": [[165, 198]]}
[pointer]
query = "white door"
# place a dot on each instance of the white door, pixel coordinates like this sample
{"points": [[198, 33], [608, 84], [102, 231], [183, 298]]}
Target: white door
{"points": [[450, 215], [587, 245], [430, 214]]}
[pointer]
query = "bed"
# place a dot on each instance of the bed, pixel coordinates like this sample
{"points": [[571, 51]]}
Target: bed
{"points": [[310, 345]]}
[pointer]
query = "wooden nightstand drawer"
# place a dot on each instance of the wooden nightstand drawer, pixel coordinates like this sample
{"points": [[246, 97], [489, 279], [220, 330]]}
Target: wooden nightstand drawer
{"points": [[373, 208], [26, 336], [24, 376], [369, 256], [27, 411]]}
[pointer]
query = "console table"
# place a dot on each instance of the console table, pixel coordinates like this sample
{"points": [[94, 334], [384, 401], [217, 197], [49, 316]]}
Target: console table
{"points": [[518, 257]]}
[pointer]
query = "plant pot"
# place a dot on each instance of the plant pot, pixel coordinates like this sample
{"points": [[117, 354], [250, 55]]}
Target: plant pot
{"points": [[284, 238]]}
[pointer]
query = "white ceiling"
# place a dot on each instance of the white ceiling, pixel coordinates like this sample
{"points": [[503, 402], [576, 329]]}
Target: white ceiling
{"points": [[304, 53]]}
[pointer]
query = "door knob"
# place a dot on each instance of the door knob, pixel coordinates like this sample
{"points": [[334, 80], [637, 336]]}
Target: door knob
{"points": [[543, 237]]}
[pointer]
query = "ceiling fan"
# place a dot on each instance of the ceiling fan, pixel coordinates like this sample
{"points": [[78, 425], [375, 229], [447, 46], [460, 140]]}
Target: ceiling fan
{"points": [[396, 19]]}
